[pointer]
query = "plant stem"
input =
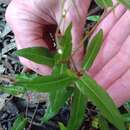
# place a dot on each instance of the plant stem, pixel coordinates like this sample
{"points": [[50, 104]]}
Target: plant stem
{"points": [[7, 78], [33, 117]]}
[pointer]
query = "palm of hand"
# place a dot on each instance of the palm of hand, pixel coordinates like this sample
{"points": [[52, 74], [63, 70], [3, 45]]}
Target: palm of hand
{"points": [[32, 22], [111, 67]]}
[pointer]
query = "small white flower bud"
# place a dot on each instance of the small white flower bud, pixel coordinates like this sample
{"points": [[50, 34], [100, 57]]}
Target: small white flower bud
{"points": [[60, 51], [64, 13]]}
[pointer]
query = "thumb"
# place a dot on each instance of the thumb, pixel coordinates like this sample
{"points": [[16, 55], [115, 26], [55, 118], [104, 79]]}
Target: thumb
{"points": [[30, 30]]}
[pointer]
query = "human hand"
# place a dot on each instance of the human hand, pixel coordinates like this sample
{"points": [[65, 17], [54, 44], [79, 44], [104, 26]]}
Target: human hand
{"points": [[33, 21], [31, 24], [111, 68]]}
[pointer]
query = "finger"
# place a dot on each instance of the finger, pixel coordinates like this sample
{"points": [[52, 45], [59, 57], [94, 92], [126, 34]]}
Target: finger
{"points": [[116, 67], [120, 90], [112, 71], [108, 22], [30, 30], [40, 69], [113, 36], [79, 20]]}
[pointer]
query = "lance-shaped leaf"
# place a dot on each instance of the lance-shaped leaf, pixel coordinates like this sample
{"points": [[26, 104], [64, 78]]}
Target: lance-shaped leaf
{"points": [[77, 110], [62, 127], [93, 50], [58, 69], [93, 18], [104, 3], [103, 124], [126, 117], [13, 90], [65, 46], [20, 123], [66, 43], [126, 3], [60, 98], [57, 98], [49, 83], [23, 77], [102, 100], [39, 55]]}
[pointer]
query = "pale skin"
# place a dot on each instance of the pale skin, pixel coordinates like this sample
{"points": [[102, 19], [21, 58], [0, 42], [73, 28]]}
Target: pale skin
{"points": [[32, 20]]}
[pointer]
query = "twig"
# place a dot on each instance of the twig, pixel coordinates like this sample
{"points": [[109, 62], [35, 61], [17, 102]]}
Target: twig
{"points": [[33, 117], [7, 78], [93, 11], [26, 112], [73, 63], [7, 120]]}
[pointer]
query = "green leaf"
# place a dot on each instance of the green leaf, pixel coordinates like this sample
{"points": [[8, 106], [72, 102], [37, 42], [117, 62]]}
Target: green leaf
{"points": [[66, 43], [126, 117], [23, 77], [103, 124], [13, 90], [93, 18], [126, 3], [93, 50], [95, 123], [65, 46], [59, 69], [49, 83], [19, 123], [39, 55], [62, 127], [77, 110], [102, 100], [104, 3], [57, 98], [60, 98]]}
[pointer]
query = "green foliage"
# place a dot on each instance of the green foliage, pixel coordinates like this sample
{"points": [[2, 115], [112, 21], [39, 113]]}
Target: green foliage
{"points": [[77, 110], [64, 46], [19, 123], [125, 2], [103, 124], [67, 83], [12, 90], [57, 98], [126, 117], [104, 3], [101, 99], [62, 127], [93, 50], [39, 55], [109, 3], [23, 77], [95, 123], [49, 83], [93, 18]]}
